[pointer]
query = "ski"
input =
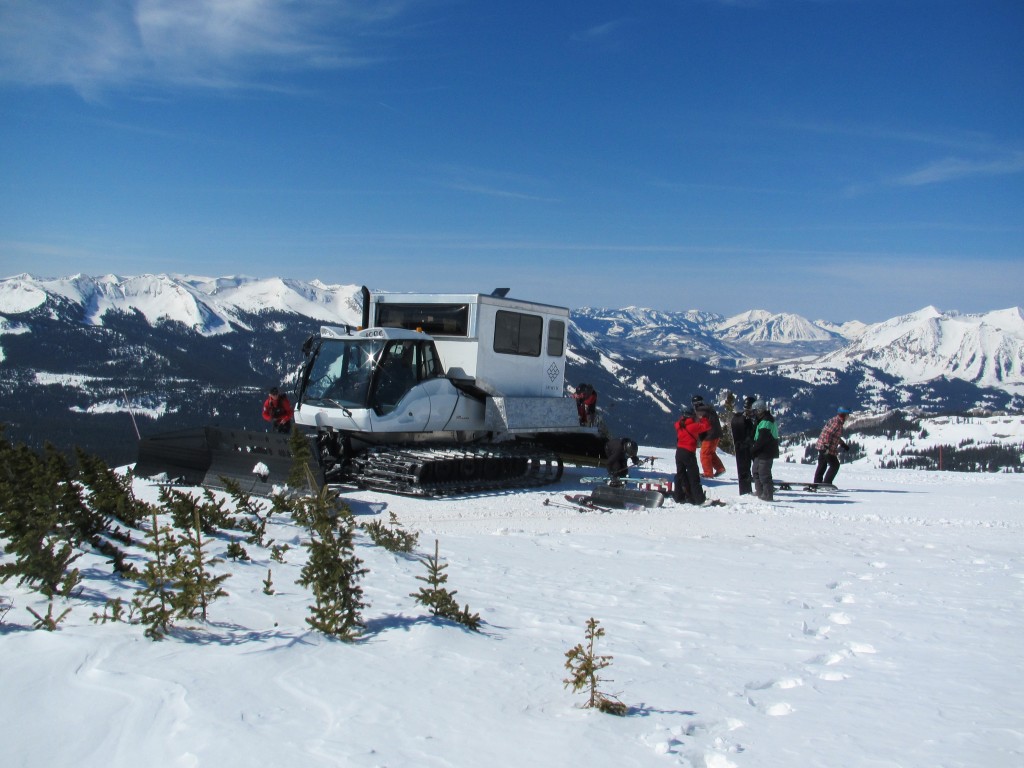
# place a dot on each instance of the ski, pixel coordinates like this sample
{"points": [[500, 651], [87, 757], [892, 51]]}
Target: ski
{"points": [[578, 502], [586, 503]]}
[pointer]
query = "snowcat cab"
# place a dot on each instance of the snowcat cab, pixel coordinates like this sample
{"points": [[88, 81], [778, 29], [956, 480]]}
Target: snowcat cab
{"points": [[443, 394]]}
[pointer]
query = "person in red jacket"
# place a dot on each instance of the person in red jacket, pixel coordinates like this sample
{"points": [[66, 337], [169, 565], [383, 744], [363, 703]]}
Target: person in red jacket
{"points": [[688, 489], [586, 404], [278, 411]]}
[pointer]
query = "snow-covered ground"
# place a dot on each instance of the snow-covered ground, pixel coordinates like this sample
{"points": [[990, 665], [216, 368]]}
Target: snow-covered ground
{"points": [[880, 627]]}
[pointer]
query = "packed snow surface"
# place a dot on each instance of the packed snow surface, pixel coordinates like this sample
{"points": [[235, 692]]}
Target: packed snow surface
{"points": [[881, 626]]}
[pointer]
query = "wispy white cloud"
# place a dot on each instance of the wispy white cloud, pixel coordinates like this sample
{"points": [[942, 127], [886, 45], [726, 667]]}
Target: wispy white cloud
{"points": [[963, 141], [101, 44], [953, 168], [599, 33], [480, 189]]}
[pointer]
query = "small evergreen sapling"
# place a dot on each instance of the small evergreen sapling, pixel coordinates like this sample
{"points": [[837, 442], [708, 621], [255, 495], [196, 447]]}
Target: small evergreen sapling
{"points": [[277, 552], [438, 599], [199, 587], [584, 667], [332, 570], [43, 517], [254, 520], [156, 601], [391, 536], [49, 622], [299, 474], [115, 610]]}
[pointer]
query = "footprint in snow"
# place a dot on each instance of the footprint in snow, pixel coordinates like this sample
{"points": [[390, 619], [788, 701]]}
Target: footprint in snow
{"points": [[784, 683], [861, 648], [814, 631], [832, 676], [779, 709]]}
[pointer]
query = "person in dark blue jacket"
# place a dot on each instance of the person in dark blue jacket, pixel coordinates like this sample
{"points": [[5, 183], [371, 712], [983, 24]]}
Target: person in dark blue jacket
{"points": [[743, 426]]}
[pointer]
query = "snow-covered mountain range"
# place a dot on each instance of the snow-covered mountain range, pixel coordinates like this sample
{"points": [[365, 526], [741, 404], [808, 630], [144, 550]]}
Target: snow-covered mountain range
{"points": [[91, 339], [206, 305], [984, 349]]}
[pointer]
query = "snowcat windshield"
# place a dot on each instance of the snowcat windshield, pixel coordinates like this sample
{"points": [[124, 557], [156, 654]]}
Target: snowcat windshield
{"points": [[342, 373]]}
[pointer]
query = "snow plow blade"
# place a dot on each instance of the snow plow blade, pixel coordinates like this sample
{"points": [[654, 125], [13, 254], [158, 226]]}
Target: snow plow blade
{"points": [[204, 456]]}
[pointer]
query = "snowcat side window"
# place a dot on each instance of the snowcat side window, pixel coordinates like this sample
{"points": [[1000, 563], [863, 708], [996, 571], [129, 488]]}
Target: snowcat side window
{"points": [[516, 333], [430, 366], [398, 372], [556, 338], [432, 319]]}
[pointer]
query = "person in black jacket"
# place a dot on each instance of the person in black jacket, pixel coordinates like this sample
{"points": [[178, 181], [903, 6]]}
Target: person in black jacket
{"points": [[765, 451], [620, 451], [742, 426]]}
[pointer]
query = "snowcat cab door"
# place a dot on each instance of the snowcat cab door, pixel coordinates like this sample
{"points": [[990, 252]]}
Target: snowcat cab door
{"points": [[402, 364]]}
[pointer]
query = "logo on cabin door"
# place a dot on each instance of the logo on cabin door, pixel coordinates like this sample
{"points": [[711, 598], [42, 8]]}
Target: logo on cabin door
{"points": [[553, 372]]}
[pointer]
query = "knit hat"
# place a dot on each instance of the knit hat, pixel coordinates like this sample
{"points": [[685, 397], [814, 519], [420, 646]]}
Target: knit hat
{"points": [[696, 399], [748, 401], [845, 411]]}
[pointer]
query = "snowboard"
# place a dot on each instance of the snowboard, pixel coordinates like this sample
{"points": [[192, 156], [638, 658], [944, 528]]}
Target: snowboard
{"points": [[809, 487], [664, 485], [626, 498]]}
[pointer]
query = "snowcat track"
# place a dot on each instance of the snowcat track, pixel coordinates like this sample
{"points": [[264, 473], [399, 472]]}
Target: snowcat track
{"points": [[444, 471]]}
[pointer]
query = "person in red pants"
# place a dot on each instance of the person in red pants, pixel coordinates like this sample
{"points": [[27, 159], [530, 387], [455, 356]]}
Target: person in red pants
{"points": [[710, 464]]}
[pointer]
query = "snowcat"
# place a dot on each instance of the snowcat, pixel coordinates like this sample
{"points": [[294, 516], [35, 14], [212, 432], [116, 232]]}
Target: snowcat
{"points": [[444, 393], [432, 394]]}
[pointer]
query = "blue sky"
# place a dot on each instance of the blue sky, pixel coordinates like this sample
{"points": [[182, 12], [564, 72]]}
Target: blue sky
{"points": [[841, 159]]}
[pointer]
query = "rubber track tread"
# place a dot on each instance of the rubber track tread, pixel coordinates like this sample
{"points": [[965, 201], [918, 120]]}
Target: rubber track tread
{"points": [[445, 471]]}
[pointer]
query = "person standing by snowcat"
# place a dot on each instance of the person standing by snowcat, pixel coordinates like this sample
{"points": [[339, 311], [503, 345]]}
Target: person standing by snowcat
{"points": [[687, 488], [743, 426], [711, 465], [620, 451], [765, 451], [277, 409], [586, 404]]}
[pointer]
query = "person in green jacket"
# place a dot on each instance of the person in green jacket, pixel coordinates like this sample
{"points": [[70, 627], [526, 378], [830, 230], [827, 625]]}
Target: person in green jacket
{"points": [[764, 451]]}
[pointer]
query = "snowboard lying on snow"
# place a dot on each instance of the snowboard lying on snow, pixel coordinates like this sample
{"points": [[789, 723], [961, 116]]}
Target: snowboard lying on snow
{"points": [[626, 498], [809, 487]]}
